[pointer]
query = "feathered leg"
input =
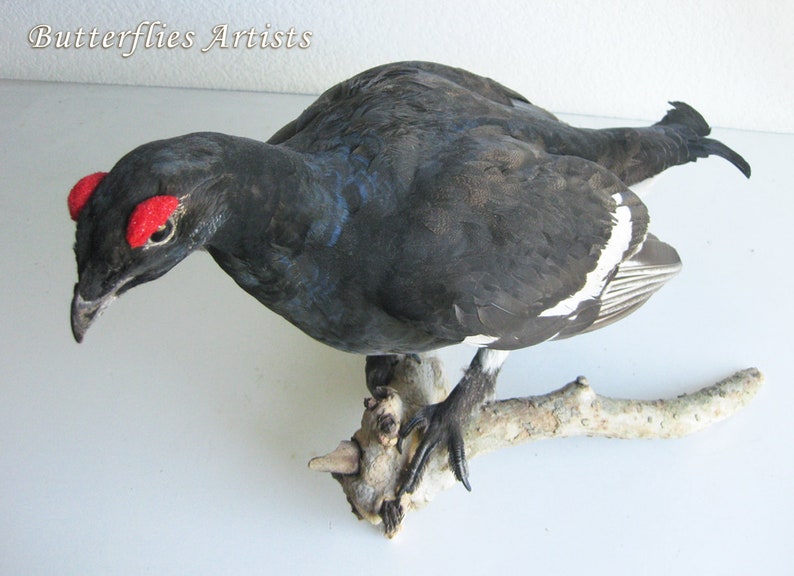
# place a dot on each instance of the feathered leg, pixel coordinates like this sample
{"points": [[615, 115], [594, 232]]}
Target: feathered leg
{"points": [[443, 423]]}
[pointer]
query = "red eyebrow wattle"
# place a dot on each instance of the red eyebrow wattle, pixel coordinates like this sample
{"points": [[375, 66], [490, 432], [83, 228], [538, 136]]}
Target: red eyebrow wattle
{"points": [[81, 192], [147, 217]]}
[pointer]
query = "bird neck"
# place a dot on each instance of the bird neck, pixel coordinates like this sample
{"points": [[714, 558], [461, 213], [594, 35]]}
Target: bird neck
{"points": [[275, 201]]}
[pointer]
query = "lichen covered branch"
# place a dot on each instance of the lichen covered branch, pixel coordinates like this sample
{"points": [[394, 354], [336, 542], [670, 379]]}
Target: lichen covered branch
{"points": [[369, 467]]}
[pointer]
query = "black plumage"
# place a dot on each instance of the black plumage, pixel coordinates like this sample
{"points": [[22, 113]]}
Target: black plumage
{"points": [[411, 207]]}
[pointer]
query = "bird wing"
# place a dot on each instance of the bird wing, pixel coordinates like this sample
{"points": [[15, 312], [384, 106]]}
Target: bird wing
{"points": [[634, 282], [507, 245]]}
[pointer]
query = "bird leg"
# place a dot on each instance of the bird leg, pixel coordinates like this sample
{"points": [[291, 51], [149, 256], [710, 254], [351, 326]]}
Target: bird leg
{"points": [[443, 423], [379, 371]]}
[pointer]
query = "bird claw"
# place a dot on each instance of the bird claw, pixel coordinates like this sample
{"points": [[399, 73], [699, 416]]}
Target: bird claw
{"points": [[442, 428], [392, 514]]}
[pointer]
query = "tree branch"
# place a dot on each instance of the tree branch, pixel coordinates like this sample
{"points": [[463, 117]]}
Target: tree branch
{"points": [[369, 467]]}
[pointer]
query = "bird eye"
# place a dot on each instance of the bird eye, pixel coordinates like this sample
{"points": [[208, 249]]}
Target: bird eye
{"points": [[163, 234]]}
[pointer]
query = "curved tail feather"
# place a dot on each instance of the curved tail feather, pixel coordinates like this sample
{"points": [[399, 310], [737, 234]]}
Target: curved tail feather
{"points": [[690, 124]]}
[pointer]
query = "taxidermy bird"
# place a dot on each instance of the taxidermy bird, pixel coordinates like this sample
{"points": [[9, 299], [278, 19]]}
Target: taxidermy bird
{"points": [[411, 207]]}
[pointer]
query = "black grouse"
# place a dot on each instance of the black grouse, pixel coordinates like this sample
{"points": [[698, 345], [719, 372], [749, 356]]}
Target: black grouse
{"points": [[411, 207]]}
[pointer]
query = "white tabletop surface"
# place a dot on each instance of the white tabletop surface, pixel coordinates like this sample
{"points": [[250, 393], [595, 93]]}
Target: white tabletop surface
{"points": [[175, 439]]}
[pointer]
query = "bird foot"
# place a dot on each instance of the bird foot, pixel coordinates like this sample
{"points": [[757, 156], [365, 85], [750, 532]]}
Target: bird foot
{"points": [[392, 514], [444, 422], [442, 426]]}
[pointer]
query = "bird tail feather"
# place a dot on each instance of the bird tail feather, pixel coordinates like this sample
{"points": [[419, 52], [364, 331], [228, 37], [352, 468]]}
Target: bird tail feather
{"points": [[690, 124]]}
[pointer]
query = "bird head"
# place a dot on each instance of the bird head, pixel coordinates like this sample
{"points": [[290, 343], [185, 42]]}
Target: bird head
{"points": [[158, 204]]}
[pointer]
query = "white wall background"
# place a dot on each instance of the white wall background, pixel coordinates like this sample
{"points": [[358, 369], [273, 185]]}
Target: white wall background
{"points": [[623, 58]]}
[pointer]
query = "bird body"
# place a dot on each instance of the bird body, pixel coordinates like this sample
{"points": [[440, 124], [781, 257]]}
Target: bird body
{"points": [[411, 207]]}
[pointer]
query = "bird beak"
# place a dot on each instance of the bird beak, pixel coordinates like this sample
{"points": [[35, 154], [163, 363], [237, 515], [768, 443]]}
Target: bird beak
{"points": [[84, 312]]}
